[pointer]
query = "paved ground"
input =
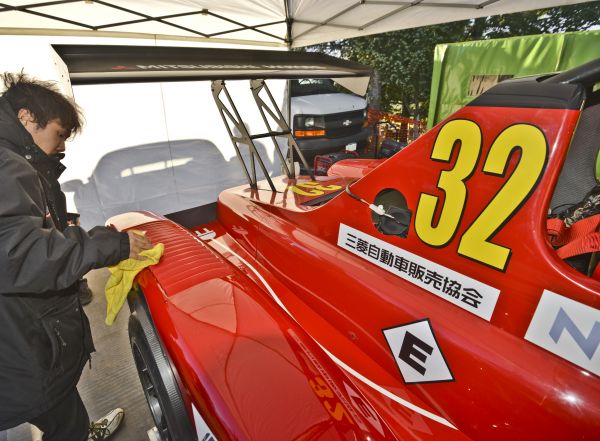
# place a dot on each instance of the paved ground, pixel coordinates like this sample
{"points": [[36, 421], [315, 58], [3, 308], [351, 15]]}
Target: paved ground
{"points": [[112, 381]]}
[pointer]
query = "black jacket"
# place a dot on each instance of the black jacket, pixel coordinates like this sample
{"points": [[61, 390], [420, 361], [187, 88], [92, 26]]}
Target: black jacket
{"points": [[45, 338]]}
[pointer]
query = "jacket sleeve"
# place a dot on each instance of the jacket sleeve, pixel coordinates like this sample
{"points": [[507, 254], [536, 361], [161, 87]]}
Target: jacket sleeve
{"points": [[35, 259]]}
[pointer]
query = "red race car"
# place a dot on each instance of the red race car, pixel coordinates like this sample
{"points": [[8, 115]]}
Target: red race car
{"points": [[451, 293]]}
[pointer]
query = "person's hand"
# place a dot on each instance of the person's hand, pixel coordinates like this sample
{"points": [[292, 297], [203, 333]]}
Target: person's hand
{"points": [[137, 244]]}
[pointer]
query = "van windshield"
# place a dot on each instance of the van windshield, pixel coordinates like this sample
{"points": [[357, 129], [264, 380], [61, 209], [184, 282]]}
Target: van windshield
{"points": [[313, 86]]}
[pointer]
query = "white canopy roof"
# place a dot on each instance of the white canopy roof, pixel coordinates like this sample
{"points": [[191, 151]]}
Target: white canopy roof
{"points": [[263, 22]]}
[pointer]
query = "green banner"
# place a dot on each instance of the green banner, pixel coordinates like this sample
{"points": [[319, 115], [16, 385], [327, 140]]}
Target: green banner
{"points": [[462, 71]]}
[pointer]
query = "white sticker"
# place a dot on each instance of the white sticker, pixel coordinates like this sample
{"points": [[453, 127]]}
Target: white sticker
{"points": [[463, 291], [568, 329], [202, 429], [417, 353], [351, 147], [365, 410], [206, 234]]}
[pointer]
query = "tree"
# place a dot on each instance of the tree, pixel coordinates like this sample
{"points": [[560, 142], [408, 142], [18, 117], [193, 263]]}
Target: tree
{"points": [[576, 17], [404, 59]]}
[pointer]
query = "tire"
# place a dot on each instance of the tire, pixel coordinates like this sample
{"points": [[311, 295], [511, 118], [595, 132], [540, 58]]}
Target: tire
{"points": [[157, 379]]}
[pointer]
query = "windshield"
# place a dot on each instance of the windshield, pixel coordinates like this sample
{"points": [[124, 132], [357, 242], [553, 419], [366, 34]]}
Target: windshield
{"points": [[313, 86]]}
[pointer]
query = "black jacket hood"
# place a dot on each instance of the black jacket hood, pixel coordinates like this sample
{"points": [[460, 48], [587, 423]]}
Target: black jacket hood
{"points": [[12, 134], [14, 137]]}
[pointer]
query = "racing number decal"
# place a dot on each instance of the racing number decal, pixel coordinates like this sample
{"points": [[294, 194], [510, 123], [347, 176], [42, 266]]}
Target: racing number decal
{"points": [[313, 188], [531, 142], [475, 241], [451, 182], [321, 390]]}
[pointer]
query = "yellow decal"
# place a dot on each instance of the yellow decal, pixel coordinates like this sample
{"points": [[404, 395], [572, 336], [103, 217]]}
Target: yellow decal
{"points": [[339, 412], [466, 135], [313, 188], [322, 390], [451, 182]]}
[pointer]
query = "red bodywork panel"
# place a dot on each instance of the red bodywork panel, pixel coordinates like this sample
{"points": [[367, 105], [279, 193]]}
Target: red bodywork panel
{"points": [[354, 168], [281, 324]]}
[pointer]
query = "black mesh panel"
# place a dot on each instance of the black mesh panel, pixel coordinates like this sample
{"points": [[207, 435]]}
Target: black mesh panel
{"points": [[578, 174]]}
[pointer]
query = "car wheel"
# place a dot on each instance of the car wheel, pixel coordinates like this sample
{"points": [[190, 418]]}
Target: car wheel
{"points": [[158, 381]]}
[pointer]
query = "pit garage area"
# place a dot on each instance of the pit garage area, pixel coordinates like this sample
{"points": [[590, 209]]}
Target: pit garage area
{"points": [[449, 291]]}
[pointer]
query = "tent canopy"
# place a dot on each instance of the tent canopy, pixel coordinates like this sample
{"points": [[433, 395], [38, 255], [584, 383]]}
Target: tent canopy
{"points": [[292, 23]]}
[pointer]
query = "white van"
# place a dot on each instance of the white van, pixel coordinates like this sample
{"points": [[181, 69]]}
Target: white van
{"points": [[325, 119]]}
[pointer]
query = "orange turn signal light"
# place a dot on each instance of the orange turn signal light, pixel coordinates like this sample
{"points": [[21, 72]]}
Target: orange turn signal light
{"points": [[305, 133]]}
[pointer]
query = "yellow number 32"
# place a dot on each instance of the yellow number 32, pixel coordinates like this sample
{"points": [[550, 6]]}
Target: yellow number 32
{"points": [[475, 242]]}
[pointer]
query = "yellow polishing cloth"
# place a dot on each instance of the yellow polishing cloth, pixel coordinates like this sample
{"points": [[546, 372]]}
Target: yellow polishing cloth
{"points": [[121, 280]]}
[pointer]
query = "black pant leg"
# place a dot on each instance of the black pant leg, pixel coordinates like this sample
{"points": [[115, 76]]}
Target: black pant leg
{"points": [[67, 421]]}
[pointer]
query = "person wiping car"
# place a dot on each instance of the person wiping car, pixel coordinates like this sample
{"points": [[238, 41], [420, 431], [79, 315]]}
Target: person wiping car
{"points": [[45, 338]]}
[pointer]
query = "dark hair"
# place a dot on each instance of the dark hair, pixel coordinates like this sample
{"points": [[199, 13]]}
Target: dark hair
{"points": [[43, 100]]}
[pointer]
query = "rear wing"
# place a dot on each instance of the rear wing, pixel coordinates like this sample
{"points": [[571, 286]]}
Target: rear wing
{"points": [[92, 64], [88, 64]]}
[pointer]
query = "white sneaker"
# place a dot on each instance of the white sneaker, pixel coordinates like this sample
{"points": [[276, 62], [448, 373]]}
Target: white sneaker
{"points": [[107, 425]]}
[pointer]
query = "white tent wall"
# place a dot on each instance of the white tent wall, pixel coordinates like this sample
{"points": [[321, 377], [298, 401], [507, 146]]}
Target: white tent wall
{"points": [[20, 53], [154, 146], [157, 146], [259, 22]]}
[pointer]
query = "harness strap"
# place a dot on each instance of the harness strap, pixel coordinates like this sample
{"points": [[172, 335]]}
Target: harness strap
{"points": [[582, 237], [559, 234], [582, 245]]}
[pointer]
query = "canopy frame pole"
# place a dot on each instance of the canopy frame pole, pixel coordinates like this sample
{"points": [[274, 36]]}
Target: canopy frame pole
{"points": [[283, 129], [288, 24], [235, 119]]}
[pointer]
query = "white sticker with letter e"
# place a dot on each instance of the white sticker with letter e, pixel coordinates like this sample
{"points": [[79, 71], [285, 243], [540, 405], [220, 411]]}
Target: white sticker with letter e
{"points": [[202, 430], [568, 329], [417, 353]]}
